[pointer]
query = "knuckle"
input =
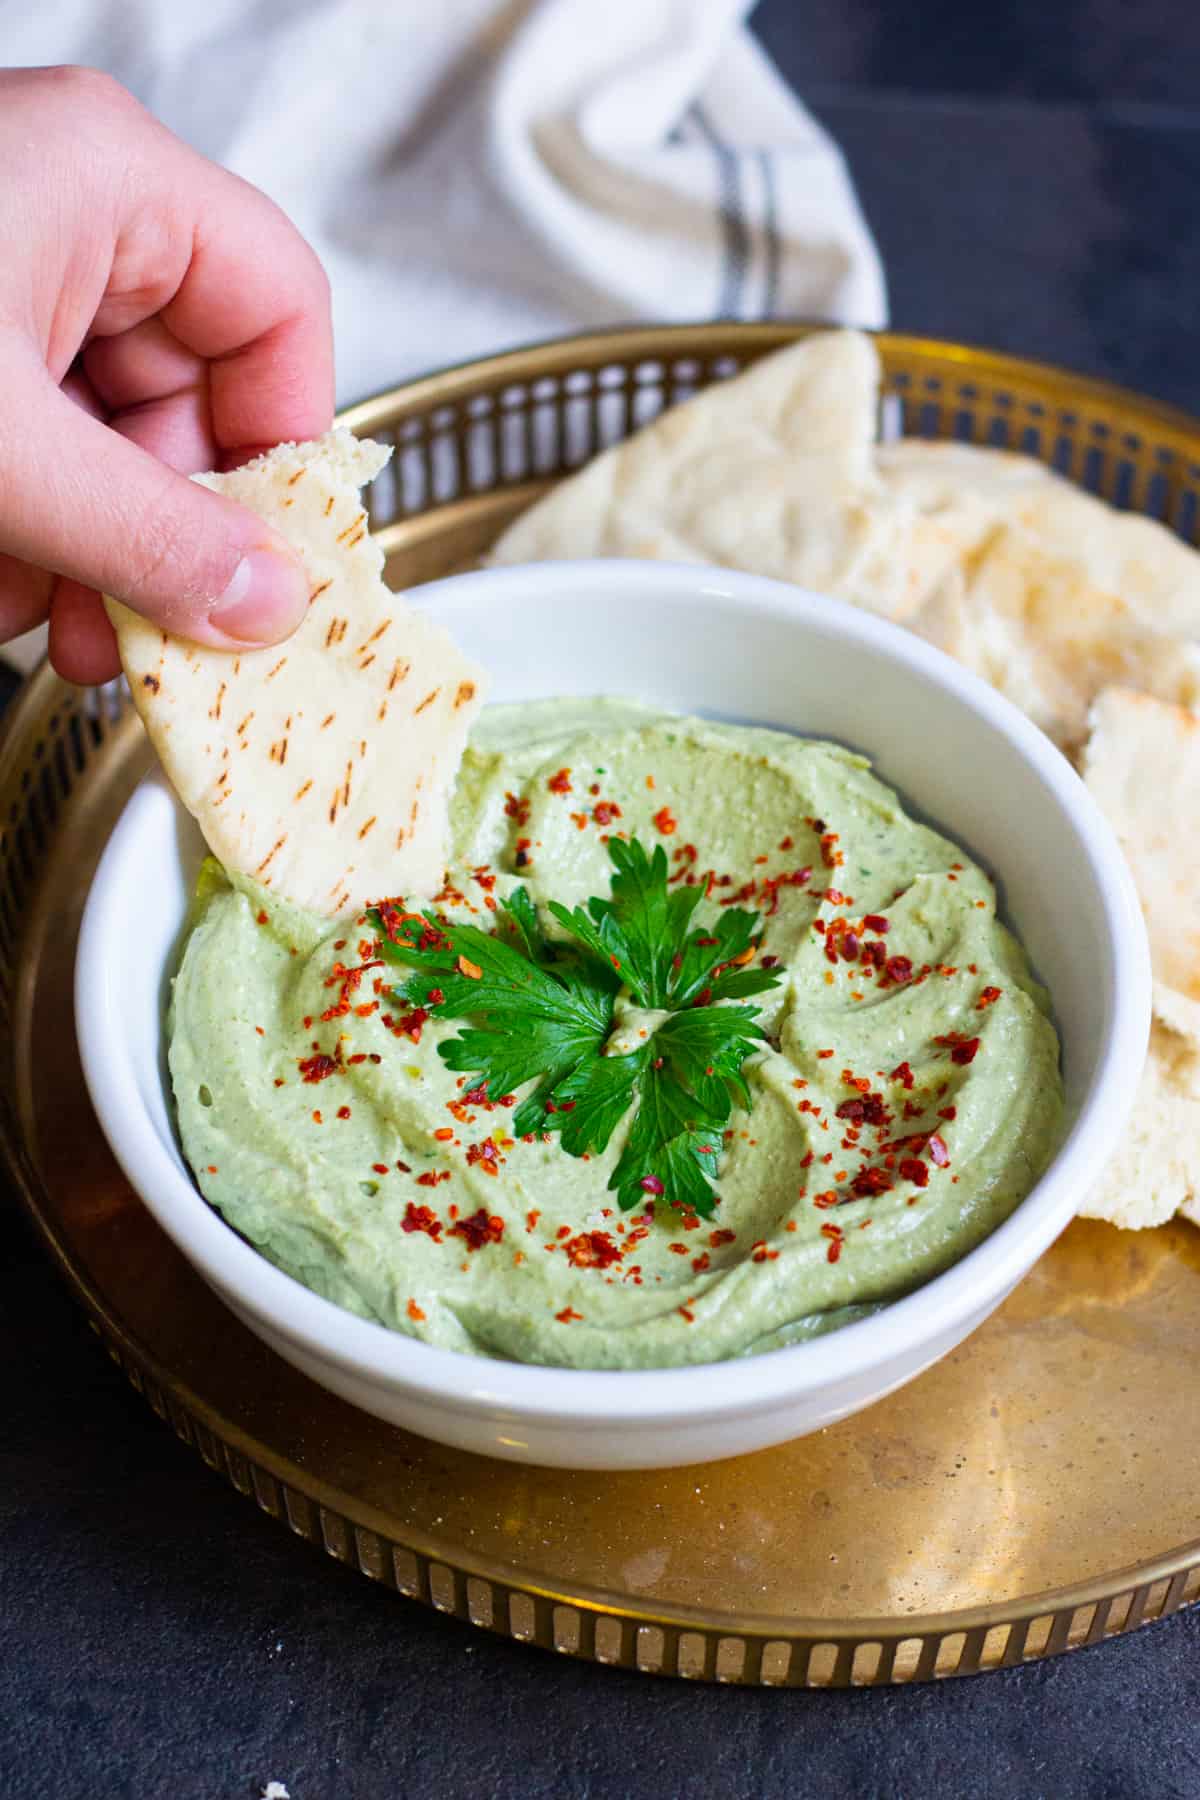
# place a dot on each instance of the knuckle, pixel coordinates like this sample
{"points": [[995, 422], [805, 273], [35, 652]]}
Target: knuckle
{"points": [[79, 84]]}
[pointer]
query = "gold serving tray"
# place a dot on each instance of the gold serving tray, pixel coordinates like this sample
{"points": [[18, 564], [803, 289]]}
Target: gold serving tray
{"points": [[1036, 1491]]}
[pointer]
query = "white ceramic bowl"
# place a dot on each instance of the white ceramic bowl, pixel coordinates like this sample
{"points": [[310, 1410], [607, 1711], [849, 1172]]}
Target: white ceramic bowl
{"points": [[713, 641]]}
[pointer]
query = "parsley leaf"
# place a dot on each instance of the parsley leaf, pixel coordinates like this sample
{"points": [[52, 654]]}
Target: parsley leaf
{"points": [[542, 1011], [540, 1014]]}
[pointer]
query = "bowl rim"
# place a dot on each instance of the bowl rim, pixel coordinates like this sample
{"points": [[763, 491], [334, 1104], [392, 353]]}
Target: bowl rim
{"points": [[464, 1382]]}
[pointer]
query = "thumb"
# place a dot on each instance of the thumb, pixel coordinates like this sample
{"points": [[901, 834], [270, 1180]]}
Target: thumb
{"points": [[83, 501]]}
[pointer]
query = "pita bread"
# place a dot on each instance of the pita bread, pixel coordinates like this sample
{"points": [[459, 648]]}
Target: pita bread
{"points": [[1156, 1170], [1046, 591], [1051, 594], [1034, 623], [322, 766], [771, 471], [936, 474], [1142, 764]]}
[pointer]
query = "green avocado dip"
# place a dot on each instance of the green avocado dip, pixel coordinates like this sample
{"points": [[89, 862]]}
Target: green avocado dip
{"points": [[906, 1094]]}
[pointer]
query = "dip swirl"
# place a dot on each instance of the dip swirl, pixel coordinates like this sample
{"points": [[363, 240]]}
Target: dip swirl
{"points": [[907, 1099]]}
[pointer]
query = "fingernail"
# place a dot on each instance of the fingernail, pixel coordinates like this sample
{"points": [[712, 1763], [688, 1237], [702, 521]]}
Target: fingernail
{"points": [[266, 599]]}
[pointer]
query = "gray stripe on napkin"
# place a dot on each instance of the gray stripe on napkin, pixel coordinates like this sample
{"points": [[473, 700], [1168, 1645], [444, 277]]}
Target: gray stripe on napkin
{"points": [[766, 163], [733, 221]]}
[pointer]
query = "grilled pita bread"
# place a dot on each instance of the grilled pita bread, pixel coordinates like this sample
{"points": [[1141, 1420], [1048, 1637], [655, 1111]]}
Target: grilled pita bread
{"points": [[321, 767], [1051, 594], [1047, 592], [771, 471], [1142, 763]]}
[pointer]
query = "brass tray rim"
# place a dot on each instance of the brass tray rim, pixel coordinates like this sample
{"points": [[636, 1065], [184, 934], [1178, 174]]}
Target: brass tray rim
{"points": [[1059, 1605], [561, 354]]}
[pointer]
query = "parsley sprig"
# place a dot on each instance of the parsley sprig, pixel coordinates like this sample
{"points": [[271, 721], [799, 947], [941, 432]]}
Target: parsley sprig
{"points": [[543, 1010]]}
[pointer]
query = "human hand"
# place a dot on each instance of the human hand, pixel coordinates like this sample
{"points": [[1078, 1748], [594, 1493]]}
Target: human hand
{"points": [[157, 316]]}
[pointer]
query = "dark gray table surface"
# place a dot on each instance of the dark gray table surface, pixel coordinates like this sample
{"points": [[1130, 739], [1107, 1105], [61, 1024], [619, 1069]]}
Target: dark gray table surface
{"points": [[1031, 172]]}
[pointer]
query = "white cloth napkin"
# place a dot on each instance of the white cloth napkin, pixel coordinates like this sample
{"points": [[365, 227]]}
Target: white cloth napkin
{"points": [[479, 173]]}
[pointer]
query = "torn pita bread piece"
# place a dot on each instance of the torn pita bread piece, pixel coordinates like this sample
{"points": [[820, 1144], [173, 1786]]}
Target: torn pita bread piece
{"points": [[1051, 594], [1142, 764], [1155, 1171], [770, 471], [1046, 591], [322, 766]]}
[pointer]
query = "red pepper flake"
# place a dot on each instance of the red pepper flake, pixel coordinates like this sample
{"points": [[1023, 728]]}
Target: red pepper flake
{"points": [[834, 1234], [833, 859], [380, 1168], [522, 857], [320, 1067], [685, 1312], [431, 1177], [903, 1074], [279, 1081], [409, 1025], [593, 1250], [317, 1119], [422, 1218], [444, 1133], [948, 1112], [700, 1263], [436, 997], [823, 1054], [479, 1229], [719, 1237], [963, 1050], [665, 821], [914, 1171], [878, 923], [760, 1254], [605, 811], [988, 998], [471, 970], [261, 919], [897, 970], [567, 1314], [415, 1313], [870, 1181], [484, 1156], [650, 1184], [531, 1218], [517, 809], [579, 820], [560, 783], [343, 1112], [938, 1152]]}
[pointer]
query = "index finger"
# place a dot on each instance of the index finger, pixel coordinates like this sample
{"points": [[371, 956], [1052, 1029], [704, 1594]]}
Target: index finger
{"points": [[243, 291]]}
